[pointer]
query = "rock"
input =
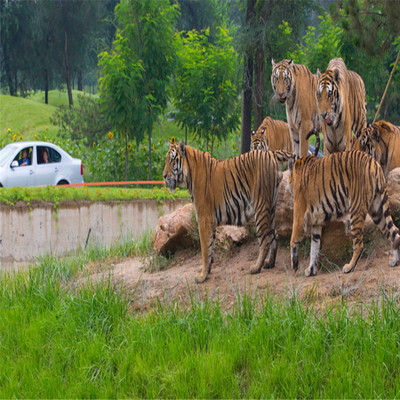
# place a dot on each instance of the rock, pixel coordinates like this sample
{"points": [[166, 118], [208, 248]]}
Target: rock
{"points": [[175, 231], [393, 189], [228, 235]]}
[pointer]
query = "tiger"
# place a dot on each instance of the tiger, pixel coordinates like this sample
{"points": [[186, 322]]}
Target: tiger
{"points": [[296, 86], [229, 192], [328, 188], [382, 141], [341, 100], [272, 135]]}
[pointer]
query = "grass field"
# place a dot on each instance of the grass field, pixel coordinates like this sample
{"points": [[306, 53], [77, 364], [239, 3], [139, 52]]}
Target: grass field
{"points": [[30, 115], [63, 337]]}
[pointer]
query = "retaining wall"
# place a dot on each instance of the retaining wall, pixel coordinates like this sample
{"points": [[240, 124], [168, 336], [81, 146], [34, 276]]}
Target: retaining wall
{"points": [[29, 231]]}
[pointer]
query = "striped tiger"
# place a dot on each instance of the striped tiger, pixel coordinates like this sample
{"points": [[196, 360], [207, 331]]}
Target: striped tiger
{"points": [[382, 141], [272, 135], [342, 105], [228, 192], [327, 188], [296, 86]]}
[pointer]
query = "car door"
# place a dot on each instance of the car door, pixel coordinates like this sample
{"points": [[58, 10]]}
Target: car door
{"points": [[45, 173], [22, 175]]}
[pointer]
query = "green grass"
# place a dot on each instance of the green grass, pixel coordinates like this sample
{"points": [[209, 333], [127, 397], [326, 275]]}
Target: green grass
{"points": [[30, 115], [54, 194], [63, 340]]}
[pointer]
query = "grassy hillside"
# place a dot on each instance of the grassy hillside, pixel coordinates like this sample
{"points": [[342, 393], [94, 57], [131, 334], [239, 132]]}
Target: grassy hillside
{"points": [[30, 115], [27, 116]]}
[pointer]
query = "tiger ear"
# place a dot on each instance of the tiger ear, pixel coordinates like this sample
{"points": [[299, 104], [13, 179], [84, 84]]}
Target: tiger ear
{"points": [[290, 64], [170, 144], [336, 75], [182, 148], [318, 74], [262, 132], [253, 132], [273, 62]]}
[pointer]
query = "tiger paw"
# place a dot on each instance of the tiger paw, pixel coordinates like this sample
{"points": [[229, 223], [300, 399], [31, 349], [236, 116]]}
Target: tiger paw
{"points": [[311, 271], [347, 268], [200, 278], [255, 270], [394, 263]]}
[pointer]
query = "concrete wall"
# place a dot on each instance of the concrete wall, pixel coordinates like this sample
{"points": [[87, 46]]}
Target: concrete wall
{"points": [[26, 232]]}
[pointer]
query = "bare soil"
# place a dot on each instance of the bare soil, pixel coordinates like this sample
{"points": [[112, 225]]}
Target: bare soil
{"points": [[230, 277]]}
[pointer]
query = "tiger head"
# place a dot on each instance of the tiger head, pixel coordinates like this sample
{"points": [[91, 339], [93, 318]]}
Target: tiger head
{"points": [[258, 141], [369, 139], [328, 96], [175, 168], [282, 79]]}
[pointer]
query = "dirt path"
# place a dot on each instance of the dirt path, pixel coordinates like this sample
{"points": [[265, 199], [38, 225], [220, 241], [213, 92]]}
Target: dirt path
{"points": [[230, 278]]}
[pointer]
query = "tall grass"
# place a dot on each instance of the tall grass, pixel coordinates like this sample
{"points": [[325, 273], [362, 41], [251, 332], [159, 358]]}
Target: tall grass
{"points": [[59, 339]]}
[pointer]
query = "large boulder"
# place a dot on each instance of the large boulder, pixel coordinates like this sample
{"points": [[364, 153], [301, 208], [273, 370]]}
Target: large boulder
{"points": [[175, 230]]}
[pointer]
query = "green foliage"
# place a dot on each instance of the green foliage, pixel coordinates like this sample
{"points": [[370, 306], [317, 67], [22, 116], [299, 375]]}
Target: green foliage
{"points": [[84, 122], [320, 45], [205, 88], [134, 75]]}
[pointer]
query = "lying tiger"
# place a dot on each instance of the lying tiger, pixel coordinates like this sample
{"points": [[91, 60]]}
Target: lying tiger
{"points": [[382, 141], [228, 192], [327, 188], [272, 135]]}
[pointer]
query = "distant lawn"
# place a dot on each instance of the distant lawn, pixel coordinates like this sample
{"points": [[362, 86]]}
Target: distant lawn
{"points": [[25, 115], [30, 115]]}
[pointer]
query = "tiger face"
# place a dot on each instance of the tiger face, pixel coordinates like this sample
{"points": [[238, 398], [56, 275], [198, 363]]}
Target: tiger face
{"points": [[258, 141], [175, 166], [282, 79], [328, 96], [368, 139]]}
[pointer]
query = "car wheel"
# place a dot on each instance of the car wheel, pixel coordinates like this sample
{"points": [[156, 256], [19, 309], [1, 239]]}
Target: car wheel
{"points": [[62, 182]]}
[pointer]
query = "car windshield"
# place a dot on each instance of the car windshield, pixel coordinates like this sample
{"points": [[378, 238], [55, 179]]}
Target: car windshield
{"points": [[6, 153]]}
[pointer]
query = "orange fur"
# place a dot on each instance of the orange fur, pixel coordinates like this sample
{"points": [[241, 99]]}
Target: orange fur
{"points": [[228, 192], [272, 135]]}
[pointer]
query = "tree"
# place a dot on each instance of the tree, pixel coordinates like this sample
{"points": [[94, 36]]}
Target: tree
{"points": [[135, 74], [205, 95]]}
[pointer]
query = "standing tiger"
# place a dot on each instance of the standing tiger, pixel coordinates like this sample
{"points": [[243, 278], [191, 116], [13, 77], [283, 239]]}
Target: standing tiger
{"points": [[272, 135], [382, 141], [296, 86], [327, 188], [342, 105], [228, 192]]}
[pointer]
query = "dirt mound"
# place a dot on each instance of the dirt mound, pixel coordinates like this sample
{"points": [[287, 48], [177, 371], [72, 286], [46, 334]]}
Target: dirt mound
{"points": [[230, 277]]}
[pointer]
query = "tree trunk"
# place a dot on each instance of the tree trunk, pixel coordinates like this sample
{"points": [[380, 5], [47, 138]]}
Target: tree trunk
{"points": [[80, 80], [66, 59], [150, 172], [259, 72], [46, 87], [246, 105], [247, 84], [126, 155]]}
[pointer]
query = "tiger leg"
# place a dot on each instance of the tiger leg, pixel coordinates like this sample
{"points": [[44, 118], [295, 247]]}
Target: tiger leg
{"points": [[357, 220], [304, 143], [297, 234], [273, 249], [380, 214], [207, 240], [316, 232], [266, 237], [295, 141]]}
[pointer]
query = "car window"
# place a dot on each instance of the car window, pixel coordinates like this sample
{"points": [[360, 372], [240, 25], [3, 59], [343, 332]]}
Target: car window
{"points": [[47, 155], [24, 157], [6, 153]]}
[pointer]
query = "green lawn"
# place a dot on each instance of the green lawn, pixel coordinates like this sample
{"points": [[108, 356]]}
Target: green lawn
{"points": [[30, 115]]}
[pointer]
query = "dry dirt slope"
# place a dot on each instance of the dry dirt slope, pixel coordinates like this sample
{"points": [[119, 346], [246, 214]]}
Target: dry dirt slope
{"points": [[230, 277]]}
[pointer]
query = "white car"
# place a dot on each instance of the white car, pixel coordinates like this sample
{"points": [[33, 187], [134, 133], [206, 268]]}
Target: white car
{"points": [[43, 164]]}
